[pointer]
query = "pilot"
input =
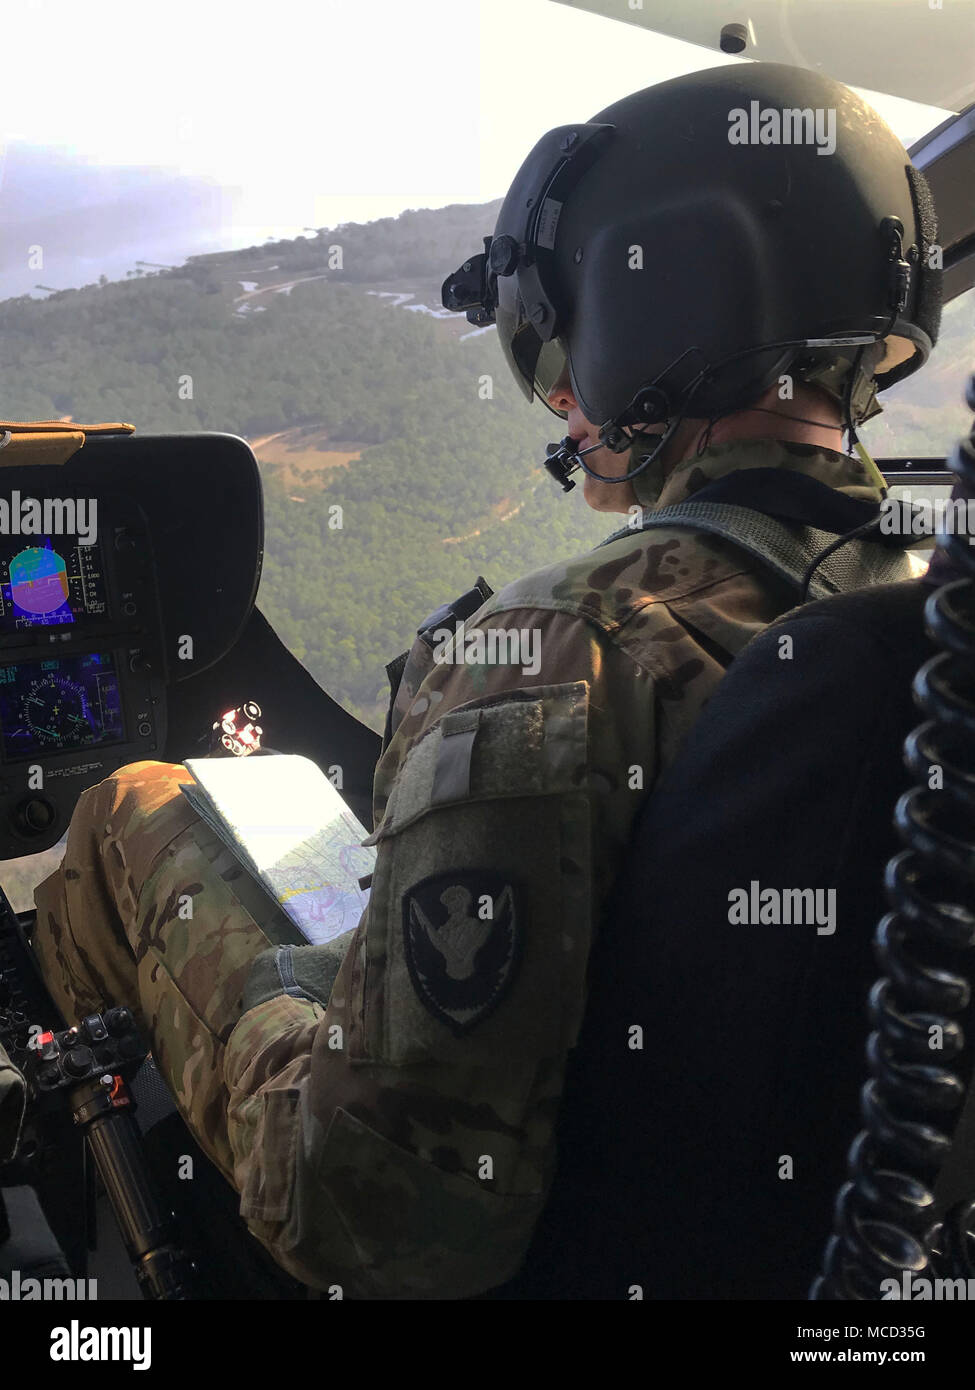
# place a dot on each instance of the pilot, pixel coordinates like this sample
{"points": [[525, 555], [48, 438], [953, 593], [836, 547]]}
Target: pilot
{"points": [[707, 295]]}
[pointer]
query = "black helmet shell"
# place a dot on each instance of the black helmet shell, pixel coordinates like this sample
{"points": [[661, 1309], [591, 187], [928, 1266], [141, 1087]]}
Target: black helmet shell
{"points": [[677, 247]]}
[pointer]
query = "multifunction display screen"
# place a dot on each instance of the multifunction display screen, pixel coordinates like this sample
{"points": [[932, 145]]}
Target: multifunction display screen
{"points": [[51, 582], [59, 705]]}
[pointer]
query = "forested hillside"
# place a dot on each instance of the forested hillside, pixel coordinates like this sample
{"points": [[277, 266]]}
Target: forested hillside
{"points": [[365, 403], [448, 448], [422, 242]]}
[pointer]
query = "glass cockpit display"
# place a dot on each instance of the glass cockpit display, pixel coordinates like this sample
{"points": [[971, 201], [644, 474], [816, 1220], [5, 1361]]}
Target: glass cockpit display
{"points": [[59, 705], [49, 583]]}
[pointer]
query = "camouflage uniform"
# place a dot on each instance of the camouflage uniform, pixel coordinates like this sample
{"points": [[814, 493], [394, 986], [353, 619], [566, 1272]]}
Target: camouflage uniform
{"points": [[385, 1105]]}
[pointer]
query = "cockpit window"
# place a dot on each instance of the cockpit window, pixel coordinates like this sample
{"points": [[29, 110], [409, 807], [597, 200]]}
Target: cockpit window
{"points": [[925, 415], [399, 460]]}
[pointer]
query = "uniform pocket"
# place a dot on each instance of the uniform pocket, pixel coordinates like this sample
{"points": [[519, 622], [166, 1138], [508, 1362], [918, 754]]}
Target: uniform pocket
{"points": [[264, 1067], [268, 1187], [474, 946], [423, 1233]]}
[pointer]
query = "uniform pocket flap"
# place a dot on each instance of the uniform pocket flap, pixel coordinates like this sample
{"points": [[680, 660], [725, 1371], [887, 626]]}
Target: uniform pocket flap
{"points": [[524, 743]]}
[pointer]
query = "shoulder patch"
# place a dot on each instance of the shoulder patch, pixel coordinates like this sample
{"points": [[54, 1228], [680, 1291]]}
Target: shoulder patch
{"points": [[462, 933]]}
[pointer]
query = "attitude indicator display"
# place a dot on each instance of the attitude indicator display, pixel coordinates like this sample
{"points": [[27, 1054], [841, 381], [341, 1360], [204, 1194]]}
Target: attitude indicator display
{"points": [[50, 583], [60, 705]]}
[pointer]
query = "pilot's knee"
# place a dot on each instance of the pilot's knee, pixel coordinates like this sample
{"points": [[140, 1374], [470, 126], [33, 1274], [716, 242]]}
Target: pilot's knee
{"points": [[137, 788], [141, 800], [148, 773]]}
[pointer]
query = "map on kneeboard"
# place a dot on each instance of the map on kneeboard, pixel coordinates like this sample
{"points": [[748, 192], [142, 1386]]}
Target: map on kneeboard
{"points": [[292, 830]]}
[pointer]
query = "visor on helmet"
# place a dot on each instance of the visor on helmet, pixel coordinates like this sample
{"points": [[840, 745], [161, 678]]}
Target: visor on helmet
{"points": [[536, 365], [523, 247]]}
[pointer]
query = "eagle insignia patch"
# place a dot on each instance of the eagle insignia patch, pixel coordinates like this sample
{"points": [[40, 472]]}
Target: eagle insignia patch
{"points": [[462, 934]]}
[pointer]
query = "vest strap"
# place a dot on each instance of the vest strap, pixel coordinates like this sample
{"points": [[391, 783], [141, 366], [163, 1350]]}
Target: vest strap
{"points": [[785, 550]]}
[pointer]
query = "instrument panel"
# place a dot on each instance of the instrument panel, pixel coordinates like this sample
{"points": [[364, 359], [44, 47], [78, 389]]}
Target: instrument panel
{"points": [[82, 688]]}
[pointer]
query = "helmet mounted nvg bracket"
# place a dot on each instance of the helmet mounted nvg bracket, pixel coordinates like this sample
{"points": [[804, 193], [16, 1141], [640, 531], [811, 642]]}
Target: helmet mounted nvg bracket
{"points": [[526, 251]]}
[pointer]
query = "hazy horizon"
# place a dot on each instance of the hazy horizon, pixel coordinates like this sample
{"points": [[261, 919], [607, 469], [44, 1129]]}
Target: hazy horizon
{"points": [[244, 123]]}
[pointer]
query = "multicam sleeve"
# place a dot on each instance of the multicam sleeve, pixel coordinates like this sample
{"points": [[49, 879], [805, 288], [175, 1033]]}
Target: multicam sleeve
{"points": [[392, 1116], [409, 670]]}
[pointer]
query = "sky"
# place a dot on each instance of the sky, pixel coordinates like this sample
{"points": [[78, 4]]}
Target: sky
{"points": [[324, 111]]}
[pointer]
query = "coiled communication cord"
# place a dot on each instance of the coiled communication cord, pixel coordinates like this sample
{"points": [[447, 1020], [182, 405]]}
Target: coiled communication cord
{"points": [[883, 1225]]}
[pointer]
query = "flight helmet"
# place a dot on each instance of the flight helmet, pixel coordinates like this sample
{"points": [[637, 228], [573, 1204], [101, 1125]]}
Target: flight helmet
{"points": [[694, 241]]}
